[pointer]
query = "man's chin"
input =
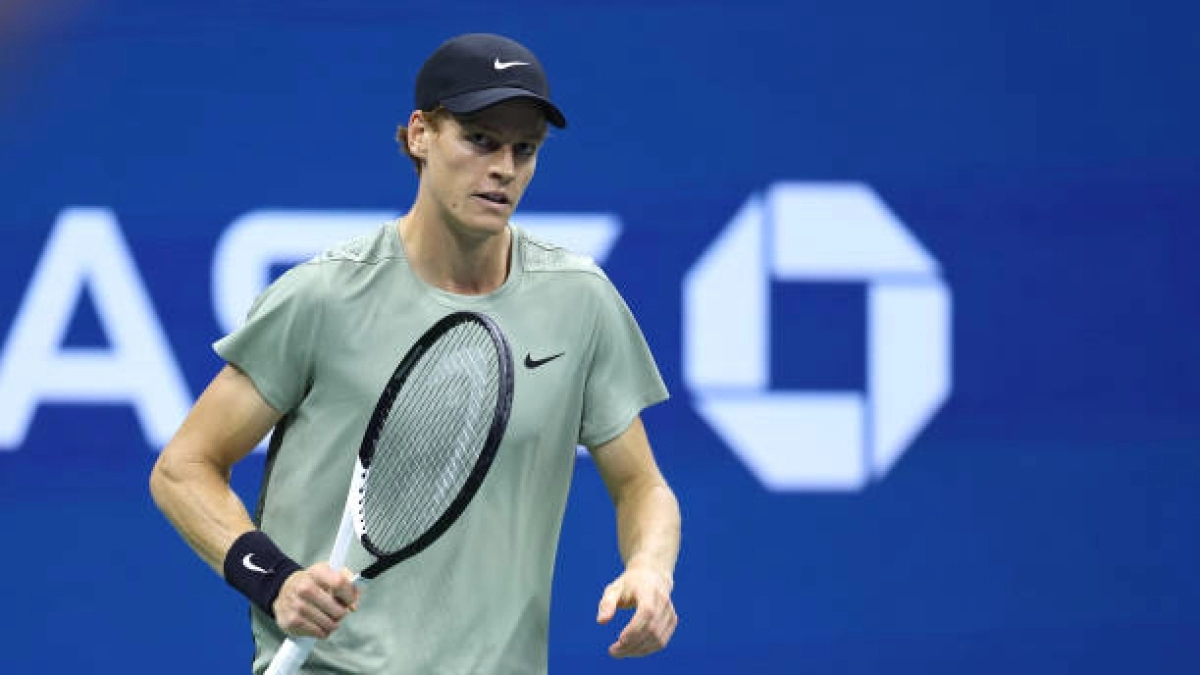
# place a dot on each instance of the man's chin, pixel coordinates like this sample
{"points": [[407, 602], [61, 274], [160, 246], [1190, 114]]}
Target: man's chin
{"points": [[483, 226]]}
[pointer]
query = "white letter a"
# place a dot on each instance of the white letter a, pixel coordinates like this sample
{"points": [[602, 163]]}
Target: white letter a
{"points": [[86, 249]]}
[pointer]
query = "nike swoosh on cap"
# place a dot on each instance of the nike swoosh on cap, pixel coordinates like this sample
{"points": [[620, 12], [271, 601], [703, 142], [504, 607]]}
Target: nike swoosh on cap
{"points": [[502, 65]]}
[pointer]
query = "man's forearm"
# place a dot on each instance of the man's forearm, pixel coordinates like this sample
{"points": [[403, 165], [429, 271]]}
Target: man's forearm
{"points": [[190, 480], [198, 501], [648, 528]]}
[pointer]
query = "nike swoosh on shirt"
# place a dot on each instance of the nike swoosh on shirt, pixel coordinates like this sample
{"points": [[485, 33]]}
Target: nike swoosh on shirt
{"points": [[532, 363]]}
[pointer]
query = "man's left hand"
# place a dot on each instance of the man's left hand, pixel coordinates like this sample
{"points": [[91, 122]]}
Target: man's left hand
{"points": [[649, 593]]}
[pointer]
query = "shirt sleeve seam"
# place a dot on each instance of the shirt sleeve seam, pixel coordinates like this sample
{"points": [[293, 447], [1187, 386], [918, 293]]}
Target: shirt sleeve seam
{"points": [[644, 399]]}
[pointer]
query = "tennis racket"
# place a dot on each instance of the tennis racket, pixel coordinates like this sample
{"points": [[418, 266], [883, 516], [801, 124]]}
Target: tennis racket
{"points": [[427, 448]]}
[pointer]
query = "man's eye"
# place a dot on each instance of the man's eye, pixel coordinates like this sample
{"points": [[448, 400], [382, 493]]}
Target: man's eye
{"points": [[479, 139], [525, 149]]}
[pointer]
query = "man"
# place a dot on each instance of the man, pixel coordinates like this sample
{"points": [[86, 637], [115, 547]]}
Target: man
{"points": [[312, 359]]}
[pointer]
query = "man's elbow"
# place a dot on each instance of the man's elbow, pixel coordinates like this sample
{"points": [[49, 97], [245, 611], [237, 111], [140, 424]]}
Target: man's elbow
{"points": [[171, 472], [161, 480]]}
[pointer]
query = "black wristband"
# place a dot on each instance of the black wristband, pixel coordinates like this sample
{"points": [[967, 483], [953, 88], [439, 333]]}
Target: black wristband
{"points": [[257, 568]]}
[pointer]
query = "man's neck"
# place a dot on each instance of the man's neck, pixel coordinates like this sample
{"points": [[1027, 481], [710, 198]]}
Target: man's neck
{"points": [[451, 259]]}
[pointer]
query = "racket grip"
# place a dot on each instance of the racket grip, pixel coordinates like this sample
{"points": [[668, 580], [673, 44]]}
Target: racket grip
{"points": [[291, 656]]}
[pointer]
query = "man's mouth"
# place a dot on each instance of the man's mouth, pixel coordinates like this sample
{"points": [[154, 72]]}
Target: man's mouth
{"points": [[494, 197]]}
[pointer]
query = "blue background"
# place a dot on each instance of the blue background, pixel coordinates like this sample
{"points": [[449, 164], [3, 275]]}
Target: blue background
{"points": [[1045, 152]]}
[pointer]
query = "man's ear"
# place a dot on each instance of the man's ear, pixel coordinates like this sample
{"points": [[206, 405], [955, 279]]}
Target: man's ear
{"points": [[418, 135]]}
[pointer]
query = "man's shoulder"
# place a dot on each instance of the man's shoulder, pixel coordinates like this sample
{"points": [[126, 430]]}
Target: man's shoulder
{"points": [[323, 276], [368, 248], [539, 255]]}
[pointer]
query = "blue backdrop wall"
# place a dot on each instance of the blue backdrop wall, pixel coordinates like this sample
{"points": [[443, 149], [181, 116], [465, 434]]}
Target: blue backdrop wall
{"points": [[972, 229]]}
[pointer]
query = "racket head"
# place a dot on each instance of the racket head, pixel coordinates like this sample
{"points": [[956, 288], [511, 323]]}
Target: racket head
{"points": [[432, 437]]}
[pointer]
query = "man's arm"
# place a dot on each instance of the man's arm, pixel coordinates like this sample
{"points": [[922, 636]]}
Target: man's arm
{"points": [[190, 480], [190, 484], [648, 530]]}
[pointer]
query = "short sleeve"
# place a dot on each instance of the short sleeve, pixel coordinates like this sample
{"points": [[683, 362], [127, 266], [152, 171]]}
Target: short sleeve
{"points": [[622, 378], [275, 347]]}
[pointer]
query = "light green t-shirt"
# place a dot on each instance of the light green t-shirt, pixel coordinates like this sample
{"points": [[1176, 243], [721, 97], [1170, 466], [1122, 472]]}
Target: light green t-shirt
{"points": [[321, 343]]}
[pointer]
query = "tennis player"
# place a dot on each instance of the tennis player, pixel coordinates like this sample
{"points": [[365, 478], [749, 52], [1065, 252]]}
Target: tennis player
{"points": [[316, 350]]}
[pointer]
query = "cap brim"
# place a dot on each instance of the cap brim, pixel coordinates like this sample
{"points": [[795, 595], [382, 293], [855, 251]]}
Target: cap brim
{"points": [[474, 101]]}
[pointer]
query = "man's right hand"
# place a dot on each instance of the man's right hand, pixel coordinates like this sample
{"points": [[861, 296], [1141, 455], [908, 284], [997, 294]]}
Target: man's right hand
{"points": [[314, 601]]}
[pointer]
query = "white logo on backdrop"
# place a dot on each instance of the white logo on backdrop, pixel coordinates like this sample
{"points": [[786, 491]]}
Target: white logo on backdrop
{"points": [[816, 233], [87, 252]]}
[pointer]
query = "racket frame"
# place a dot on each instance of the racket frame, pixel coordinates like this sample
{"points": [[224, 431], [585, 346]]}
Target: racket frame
{"points": [[294, 652], [483, 463]]}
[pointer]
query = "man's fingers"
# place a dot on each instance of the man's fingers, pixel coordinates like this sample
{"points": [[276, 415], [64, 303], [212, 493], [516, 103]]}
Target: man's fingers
{"points": [[610, 602], [297, 616], [642, 636], [321, 624], [314, 601], [650, 628], [338, 585], [632, 637], [347, 592], [316, 593], [348, 599], [635, 630], [344, 591], [640, 643]]}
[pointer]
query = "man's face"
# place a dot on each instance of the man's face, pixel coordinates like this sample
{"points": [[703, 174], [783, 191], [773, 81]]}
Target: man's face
{"points": [[477, 167]]}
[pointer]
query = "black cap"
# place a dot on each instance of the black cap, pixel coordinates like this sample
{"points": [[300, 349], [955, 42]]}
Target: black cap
{"points": [[471, 72]]}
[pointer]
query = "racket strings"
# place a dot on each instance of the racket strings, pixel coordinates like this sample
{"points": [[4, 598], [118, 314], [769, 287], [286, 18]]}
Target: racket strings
{"points": [[432, 438]]}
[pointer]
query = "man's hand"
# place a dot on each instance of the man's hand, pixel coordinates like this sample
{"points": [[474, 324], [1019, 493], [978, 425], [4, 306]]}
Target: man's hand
{"points": [[654, 620], [314, 601]]}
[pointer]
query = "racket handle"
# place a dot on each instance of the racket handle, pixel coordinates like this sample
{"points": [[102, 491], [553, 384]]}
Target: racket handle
{"points": [[295, 651], [291, 656]]}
